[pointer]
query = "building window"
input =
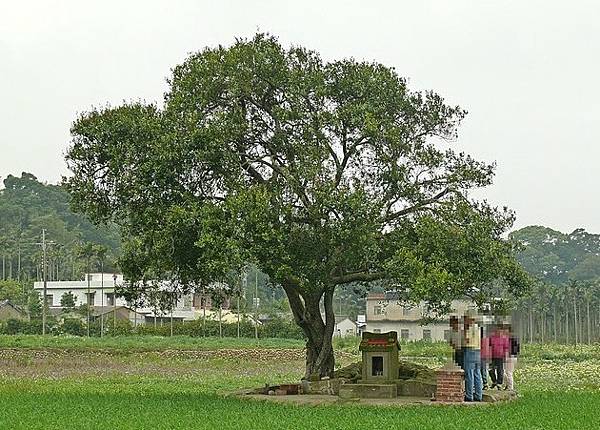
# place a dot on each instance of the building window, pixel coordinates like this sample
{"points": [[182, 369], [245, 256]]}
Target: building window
{"points": [[110, 299], [406, 311], [404, 334], [90, 298], [377, 310], [49, 299], [447, 334], [427, 335], [377, 366]]}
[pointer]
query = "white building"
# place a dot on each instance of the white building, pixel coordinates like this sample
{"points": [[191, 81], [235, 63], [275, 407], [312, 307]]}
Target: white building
{"points": [[344, 327], [385, 312], [101, 295], [99, 284]]}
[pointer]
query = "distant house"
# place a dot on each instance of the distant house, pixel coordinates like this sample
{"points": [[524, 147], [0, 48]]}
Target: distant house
{"points": [[344, 326], [100, 295], [387, 312], [9, 311]]}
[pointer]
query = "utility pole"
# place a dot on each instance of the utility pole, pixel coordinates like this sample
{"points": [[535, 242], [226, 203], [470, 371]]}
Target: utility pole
{"points": [[256, 304], [173, 303], [114, 304], [44, 274], [239, 293], [89, 296], [203, 303], [44, 246], [102, 296]]}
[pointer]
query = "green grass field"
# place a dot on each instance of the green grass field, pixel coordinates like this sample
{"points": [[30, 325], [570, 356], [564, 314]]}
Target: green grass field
{"points": [[168, 383]]}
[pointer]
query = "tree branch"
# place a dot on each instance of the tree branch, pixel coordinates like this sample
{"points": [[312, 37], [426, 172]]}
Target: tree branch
{"points": [[423, 205], [357, 277]]}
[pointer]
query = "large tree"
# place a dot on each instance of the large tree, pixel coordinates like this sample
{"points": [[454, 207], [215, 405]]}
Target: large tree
{"points": [[321, 173]]}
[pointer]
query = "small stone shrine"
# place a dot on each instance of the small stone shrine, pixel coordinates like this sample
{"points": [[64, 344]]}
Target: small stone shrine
{"points": [[380, 379], [379, 357]]}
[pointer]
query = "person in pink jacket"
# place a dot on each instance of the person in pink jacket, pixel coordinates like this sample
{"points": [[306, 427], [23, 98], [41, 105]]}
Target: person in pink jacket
{"points": [[500, 349], [486, 356]]}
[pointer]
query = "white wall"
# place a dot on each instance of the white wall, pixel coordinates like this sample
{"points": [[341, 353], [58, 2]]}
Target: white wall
{"points": [[415, 330], [80, 288], [80, 295], [393, 310], [345, 328]]}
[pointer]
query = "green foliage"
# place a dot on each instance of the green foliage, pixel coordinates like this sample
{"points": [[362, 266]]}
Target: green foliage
{"points": [[118, 327], [198, 329], [34, 305], [73, 326], [555, 257], [26, 207], [274, 328], [67, 301], [15, 326], [278, 327], [13, 291]]}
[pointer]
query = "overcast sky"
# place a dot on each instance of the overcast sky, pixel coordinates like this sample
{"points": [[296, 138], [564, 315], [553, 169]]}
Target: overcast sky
{"points": [[527, 71]]}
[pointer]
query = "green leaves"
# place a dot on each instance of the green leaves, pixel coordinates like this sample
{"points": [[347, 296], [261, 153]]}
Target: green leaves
{"points": [[319, 172]]}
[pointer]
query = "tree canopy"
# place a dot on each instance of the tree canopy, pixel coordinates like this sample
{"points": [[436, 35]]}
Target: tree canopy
{"points": [[321, 173]]}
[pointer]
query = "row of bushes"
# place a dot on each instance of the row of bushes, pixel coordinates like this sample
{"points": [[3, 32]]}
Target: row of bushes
{"points": [[276, 328]]}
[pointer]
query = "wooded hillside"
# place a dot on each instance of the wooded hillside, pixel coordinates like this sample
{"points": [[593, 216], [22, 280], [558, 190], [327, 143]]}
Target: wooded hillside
{"points": [[26, 207], [557, 257]]}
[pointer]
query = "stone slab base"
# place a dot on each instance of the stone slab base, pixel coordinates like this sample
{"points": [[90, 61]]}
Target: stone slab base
{"points": [[416, 388], [368, 391]]}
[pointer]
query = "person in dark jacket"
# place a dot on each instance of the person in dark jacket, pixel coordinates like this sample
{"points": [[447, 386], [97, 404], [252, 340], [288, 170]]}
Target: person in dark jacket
{"points": [[456, 340]]}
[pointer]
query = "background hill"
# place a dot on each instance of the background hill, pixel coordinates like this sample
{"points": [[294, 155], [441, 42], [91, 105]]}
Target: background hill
{"points": [[26, 207], [557, 257]]}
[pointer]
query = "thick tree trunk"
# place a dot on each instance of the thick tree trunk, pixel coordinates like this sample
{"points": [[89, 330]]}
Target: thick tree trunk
{"points": [[320, 360]]}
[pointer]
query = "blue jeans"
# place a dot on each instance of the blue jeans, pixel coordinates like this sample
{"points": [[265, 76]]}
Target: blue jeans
{"points": [[484, 369], [473, 374]]}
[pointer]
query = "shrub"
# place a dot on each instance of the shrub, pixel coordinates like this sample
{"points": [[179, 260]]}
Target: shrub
{"points": [[121, 328], [275, 328], [74, 326], [281, 328], [15, 326]]}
